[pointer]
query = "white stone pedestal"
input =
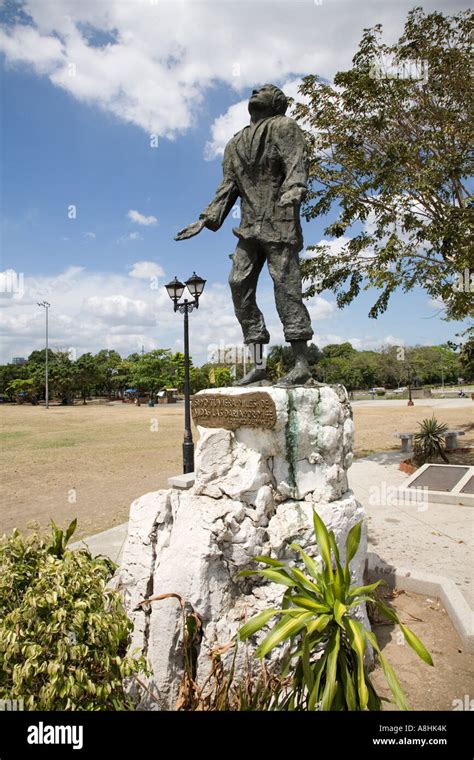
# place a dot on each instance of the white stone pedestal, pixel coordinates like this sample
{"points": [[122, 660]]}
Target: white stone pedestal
{"points": [[254, 494]]}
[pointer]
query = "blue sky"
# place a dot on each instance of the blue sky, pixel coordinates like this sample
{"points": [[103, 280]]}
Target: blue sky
{"points": [[82, 136]]}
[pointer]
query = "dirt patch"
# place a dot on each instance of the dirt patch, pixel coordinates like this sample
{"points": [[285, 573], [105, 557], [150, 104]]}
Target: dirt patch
{"points": [[445, 686], [85, 461]]}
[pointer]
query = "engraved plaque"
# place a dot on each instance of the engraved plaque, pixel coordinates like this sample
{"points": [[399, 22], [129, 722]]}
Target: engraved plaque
{"points": [[216, 410]]}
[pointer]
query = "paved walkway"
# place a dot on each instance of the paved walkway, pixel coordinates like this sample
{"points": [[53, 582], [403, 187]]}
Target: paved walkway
{"points": [[441, 403], [433, 538]]}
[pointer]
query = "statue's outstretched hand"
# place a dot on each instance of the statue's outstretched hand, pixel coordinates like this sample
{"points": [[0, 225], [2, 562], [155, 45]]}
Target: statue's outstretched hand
{"points": [[191, 230], [292, 197]]}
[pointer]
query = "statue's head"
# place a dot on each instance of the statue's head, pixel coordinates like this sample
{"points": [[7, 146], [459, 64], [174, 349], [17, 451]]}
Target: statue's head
{"points": [[268, 100]]}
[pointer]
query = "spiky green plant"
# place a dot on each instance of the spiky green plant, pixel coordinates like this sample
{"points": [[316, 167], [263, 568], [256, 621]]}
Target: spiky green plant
{"points": [[327, 643], [429, 442]]}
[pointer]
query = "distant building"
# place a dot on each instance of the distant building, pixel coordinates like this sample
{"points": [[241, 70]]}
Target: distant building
{"points": [[19, 360]]}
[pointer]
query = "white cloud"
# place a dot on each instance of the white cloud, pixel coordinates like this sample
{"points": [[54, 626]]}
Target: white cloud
{"points": [[145, 270], [119, 309], [334, 246], [93, 310], [90, 235], [135, 236], [145, 221], [224, 127], [319, 308], [158, 60]]}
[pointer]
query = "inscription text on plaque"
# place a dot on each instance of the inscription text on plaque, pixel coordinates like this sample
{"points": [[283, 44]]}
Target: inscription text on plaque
{"points": [[216, 410]]}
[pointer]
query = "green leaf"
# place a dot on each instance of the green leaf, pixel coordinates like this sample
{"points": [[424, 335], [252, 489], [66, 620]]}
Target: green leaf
{"points": [[70, 531], [283, 630], [358, 590], [256, 622], [416, 644], [310, 564], [318, 671], [269, 561], [374, 703], [319, 624], [302, 580], [339, 575], [357, 638], [303, 601], [353, 541], [307, 669], [331, 671], [275, 576], [347, 682], [322, 538], [333, 545], [339, 611], [390, 614], [389, 673], [393, 683]]}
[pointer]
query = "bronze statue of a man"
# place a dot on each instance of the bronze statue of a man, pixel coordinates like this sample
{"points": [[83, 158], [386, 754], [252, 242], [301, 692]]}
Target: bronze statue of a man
{"points": [[265, 165]]}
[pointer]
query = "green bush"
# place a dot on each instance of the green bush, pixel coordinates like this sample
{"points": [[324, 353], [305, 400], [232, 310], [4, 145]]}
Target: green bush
{"points": [[327, 644], [63, 634]]}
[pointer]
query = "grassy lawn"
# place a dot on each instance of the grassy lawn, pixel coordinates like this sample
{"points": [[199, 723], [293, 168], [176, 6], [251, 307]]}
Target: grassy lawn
{"points": [[92, 461]]}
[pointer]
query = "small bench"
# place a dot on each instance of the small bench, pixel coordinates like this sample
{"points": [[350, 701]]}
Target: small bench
{"points": [[450, 437], [406, 439]]}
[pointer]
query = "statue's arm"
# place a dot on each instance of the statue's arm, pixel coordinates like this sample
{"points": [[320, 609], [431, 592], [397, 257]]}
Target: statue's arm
{"points": [[292, 148], [214, 214], [226, 195]]}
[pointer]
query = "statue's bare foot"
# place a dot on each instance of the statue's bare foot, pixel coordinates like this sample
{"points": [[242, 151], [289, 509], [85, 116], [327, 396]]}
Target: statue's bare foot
{"points": [[299, 375], [254, 376]]}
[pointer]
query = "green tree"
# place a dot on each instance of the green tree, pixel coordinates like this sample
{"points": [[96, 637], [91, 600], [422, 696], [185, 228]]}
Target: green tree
{"points": [[108, 365], [466, 352], [466, 357], [152, 371], [10, 372], [176, 377], [120, 379], [198, 379], [62, 381], [344, 350], [86, 375], [21, 389], [393, 155]]}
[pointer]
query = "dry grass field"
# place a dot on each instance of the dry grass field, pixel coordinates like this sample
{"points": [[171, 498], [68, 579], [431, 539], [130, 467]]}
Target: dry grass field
{"points": [[92, 461]]}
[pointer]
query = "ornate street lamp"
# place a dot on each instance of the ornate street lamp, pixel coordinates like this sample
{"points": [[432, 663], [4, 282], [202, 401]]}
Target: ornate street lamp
{"points": [[175, 289]]}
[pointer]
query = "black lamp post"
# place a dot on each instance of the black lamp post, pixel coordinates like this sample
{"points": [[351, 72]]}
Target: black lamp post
{"points": [[175, 289]]}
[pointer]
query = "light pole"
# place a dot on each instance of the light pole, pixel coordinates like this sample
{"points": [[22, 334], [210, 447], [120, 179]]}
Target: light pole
{"points": [[175, 289], [46, 306]]}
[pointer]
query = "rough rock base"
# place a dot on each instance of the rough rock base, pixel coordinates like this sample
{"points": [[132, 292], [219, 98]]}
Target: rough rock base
{"points": [[254, 494]]}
